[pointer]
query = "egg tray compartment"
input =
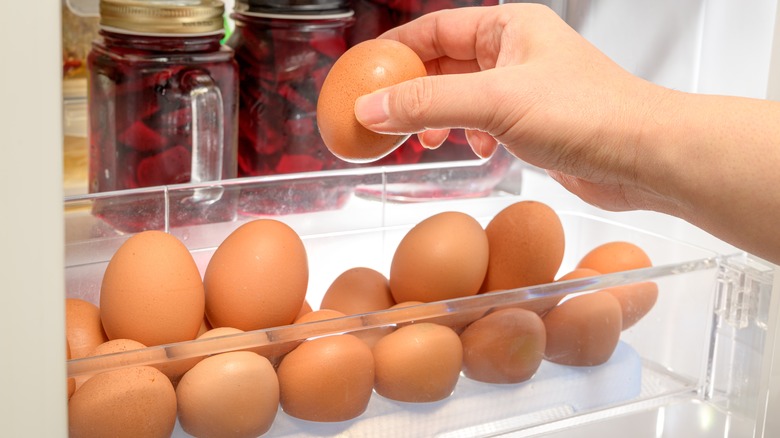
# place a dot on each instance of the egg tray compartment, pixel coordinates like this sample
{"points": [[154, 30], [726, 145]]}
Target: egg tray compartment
{"points": [[477, 408], [663, 354]]}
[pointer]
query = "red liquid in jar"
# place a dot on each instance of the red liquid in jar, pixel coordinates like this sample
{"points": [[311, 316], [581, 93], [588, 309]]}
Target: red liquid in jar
{"points": [[141, 121], [282, 65]]}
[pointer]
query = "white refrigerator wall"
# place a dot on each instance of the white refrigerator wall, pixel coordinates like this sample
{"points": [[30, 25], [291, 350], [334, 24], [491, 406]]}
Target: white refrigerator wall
{"points": [[32, 320], [708, 46]]}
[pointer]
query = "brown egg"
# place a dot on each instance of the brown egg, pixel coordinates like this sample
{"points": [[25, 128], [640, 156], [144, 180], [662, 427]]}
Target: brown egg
{"points": [[220, 331], [277, 351], [83, 328], [175, 369], [364, 68], [233, 394], [526, 246], [444, 256], [71, 380], [225, 331], [257, 277], [583, 330], [358, 290], [543, 305], [129, 402], [231, 339], [418, 363], [327, 379], [152, 291], [109, 347], [403, 304], [116, 346], [410, 316], [457, 321], [369, 336], [204, 327], [636, 300], [319, 315], [272, 352], [615, 257], [305, 308], [506, 346], [372, 335]]}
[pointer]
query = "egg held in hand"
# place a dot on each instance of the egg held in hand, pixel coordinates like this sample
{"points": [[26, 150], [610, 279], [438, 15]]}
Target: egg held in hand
{"points": [[364, 68]]}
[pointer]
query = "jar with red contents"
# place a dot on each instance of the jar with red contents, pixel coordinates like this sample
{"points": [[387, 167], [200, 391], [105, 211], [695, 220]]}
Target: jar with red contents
{"points": [[162, 104], [284, 50], [468, 176]]}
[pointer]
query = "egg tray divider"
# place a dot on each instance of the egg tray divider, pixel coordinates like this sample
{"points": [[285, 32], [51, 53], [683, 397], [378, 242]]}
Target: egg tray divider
{"points": [[443, 312]]}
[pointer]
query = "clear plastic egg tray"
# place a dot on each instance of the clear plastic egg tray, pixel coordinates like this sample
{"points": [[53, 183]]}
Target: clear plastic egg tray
{"points": [[665, 355]]}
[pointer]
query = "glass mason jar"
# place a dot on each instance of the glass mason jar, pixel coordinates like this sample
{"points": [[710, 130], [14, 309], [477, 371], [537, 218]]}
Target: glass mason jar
{"points": [[162, 100], [284, 50], [469, 176]]}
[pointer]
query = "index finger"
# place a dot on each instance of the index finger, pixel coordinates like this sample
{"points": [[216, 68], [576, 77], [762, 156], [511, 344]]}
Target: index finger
{"points": [[468, 35], [448, 33]]}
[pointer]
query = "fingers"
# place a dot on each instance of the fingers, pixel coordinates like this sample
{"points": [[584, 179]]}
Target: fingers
{"points": [[449, 33], [461, 49], [430, 102], [482, 143], [478, 34]]}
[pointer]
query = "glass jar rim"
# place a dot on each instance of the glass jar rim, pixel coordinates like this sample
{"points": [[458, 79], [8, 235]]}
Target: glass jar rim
{"points": [[297, 16], [295, 9]]}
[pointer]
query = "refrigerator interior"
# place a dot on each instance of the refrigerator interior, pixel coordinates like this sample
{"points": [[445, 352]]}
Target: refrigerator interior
{"points": [[708, 373]]}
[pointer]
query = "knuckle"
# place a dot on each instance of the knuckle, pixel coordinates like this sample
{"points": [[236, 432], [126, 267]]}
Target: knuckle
{"points": [[415, 99]]}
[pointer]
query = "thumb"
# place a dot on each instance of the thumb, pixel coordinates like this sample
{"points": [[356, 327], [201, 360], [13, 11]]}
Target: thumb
{"points": [[429, 102]]}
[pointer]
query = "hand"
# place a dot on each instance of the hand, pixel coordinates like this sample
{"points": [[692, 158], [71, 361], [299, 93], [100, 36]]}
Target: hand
{"points": [[517, 74]]}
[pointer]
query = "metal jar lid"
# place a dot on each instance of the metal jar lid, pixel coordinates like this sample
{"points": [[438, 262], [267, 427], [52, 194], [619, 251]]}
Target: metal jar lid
{"points": [[293, 8], [163, 17]]}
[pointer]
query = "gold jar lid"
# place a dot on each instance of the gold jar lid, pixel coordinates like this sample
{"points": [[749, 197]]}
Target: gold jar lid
{"points": [[163, 17]]}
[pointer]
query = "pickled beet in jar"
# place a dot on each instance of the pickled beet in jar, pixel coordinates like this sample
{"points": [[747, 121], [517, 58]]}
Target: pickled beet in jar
{"points": [[378, 16], [162, 97], [284, 50]]}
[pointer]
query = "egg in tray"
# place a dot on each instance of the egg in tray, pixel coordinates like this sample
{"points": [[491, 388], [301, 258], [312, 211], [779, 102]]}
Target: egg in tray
{"points": [[452, 323]]}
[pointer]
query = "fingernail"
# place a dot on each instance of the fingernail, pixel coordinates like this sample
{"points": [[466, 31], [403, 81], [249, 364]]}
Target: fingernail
{"points": [[432, 139], [372, 109], [480, 144]]}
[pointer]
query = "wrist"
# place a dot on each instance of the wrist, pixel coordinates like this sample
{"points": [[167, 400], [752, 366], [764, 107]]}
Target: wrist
{"points": [[662, 130]]}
